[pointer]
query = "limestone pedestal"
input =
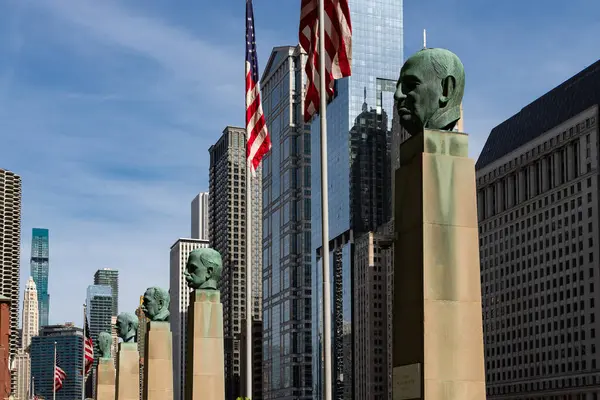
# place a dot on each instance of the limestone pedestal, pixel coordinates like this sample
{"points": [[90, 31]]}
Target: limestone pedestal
{"points": [[205, 360], [105, 379], [128, 372], [438, 334], [158, 362]]}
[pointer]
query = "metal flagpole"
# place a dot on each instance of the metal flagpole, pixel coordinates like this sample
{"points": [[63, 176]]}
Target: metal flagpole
{"points": [[248, 276], [32, 391], [324, 208], [54, 375], [83, 355]]}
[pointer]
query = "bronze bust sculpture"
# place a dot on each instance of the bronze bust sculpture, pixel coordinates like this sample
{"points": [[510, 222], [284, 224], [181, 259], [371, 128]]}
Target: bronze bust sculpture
{"points": [[430, 91], [127, 326], [203, 269], [105, 344], [156, 304]]}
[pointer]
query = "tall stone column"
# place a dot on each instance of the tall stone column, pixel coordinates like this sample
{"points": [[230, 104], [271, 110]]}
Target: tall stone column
{"points": [[205, 360], [128, 372], [438, 333], [106, 379], [158, 362]]}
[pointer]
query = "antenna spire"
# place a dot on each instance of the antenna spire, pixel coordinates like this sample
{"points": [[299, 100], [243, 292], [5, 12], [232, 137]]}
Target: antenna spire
{"points": [[424, 38]]}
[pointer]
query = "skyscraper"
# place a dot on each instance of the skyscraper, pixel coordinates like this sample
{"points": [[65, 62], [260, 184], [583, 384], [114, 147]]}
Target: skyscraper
{"points": [[40, 269], [287, 370], [180, 299], [200, 216], [538, 204], [227, 233], [109, 277], [141, 341], [10, 251], [69, 349], [30, 329], [377, 57], [99, 312]]}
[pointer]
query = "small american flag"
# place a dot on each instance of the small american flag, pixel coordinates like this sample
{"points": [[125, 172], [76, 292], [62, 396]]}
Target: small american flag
{"points": [[338, 48], [259, 141], [88, 349], [59, 377]]}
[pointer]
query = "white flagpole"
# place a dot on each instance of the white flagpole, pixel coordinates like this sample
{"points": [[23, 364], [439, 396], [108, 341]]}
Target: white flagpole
{"points": [[83, 355], [54, 375], [249, 300], [324, 209], [32, 391]]}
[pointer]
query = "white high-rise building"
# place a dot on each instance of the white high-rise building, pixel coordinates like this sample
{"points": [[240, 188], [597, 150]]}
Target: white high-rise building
{"points": [[30, 328], [180, 299], [115, 338], [200, 216]]}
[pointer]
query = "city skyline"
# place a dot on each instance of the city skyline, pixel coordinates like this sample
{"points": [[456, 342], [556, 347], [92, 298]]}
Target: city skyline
{"points": [[195, 104]]}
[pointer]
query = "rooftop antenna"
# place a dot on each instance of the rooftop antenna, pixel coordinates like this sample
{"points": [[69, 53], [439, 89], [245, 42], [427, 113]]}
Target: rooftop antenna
{"points": [[424, 38]]}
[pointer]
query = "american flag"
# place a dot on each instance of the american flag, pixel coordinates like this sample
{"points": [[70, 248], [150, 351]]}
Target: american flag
{"points": [[88, 349], [259, 141], [59, 377], [338, 48]]}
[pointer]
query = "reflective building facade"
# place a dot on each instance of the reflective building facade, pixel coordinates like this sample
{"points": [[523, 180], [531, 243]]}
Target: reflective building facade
{"points": [[40, 268], [376, 61], [287, 367], [69, 355], [109, 277]]}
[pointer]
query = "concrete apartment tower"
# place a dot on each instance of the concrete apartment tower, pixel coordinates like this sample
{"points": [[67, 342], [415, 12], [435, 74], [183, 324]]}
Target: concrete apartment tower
{"points": [[180, 299], [30, 329], [538, 205], [227, 233], [200, 216], [10, 252]]}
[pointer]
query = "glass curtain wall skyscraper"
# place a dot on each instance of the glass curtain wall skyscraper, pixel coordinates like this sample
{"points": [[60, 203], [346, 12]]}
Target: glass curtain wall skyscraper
{"points": [[377, 56], [287, 369], [40, 268], [109, 277]]}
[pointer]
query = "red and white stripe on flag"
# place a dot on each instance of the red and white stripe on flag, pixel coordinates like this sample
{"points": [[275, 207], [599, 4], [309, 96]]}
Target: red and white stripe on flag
{"points": [[89, 355], [338, 48], [59, 377]]}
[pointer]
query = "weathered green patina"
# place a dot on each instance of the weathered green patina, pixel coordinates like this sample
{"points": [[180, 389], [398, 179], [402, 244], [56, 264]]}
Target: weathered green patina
{"points": [[127, 326], [105, 344], [430, 90], [203, 269], [156, 304]]}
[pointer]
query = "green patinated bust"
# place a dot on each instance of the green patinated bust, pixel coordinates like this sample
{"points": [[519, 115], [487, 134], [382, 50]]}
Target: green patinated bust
{"points": [[105, 344], [203, 269], [127, 326], [156, 304], [430, 91]]}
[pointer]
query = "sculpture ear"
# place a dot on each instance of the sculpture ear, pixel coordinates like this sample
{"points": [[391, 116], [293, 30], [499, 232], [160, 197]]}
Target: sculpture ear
{"points": [[210, 270], [448, 87]]}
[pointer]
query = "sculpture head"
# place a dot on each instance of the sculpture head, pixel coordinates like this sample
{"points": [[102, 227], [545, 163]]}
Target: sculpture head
{"points": [[105, 344], [203, 269], [156, 304], [127, 326], [430, 90]]}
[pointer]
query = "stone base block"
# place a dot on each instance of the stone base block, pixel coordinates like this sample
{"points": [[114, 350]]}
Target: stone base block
{"points": [[158, 368], [128, 372], [106, 379]]}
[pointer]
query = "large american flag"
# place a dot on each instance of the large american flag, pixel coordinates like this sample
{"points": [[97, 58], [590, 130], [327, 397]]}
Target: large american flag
{"points": [[59, 377], [259, 141], [88, 352], [338, 48]]}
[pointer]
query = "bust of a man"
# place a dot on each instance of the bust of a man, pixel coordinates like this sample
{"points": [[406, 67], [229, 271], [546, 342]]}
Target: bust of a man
{"points": [[127, 326], [203, 269], [105, 344], [430, 91], [156, 304]]}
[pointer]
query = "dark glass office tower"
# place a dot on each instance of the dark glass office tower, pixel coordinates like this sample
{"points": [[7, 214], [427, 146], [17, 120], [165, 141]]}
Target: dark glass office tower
{"points": [[40, 268], [376, 61], [69, 350], [109, 277], [287, 367]]}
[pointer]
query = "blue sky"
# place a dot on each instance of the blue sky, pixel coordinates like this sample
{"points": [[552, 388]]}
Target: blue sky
{"points": [[107, 109]]}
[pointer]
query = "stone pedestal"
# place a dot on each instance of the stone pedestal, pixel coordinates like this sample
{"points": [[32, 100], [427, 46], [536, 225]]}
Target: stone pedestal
{"points": [[438, 333], [205, 359], [128, 372], [158, 362], [105, 379]]}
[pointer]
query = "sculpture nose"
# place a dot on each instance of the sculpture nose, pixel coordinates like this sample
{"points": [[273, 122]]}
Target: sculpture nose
{"points": [[398, 95]]}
